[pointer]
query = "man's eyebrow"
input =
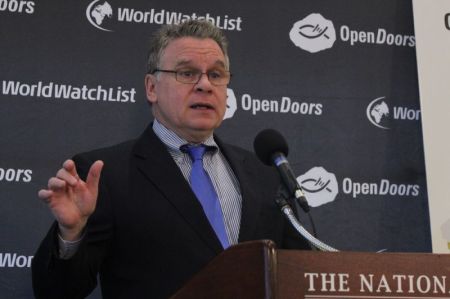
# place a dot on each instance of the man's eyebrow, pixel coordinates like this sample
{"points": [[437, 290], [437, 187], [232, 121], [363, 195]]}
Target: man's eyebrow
{"points": [[182, 63], [220, 63], [189, 62]]}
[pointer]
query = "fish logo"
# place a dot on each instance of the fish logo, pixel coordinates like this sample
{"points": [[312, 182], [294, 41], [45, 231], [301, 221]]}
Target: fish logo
{"points": [[319, 185], [313, 33]]}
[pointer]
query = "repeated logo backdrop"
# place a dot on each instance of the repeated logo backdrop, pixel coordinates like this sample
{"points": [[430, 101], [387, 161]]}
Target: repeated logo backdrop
{"points": [[337, 78]]}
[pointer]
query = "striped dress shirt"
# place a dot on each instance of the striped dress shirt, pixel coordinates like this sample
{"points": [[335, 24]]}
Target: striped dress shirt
{"points": [[224, 181]]}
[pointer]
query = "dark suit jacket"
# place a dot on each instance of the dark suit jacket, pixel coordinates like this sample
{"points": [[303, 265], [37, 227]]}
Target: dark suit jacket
{"points": [[148, 234]]}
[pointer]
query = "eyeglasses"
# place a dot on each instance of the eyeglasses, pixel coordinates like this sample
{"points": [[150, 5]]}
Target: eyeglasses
{"points": [[192, 76]]}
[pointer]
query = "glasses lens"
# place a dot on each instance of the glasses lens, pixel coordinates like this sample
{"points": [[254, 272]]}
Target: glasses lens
{"points": [[188, 76], [219, 77], [216, 77]]}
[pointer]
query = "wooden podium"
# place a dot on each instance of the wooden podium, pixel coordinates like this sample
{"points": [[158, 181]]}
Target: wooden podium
{"points": [[259, 270]]}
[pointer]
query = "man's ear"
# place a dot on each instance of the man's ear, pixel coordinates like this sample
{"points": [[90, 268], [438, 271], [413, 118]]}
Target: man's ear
{"points": [[150, 88]]}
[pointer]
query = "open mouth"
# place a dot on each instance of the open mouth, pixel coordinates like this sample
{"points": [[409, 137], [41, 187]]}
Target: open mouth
{"points": [[202, 106]]}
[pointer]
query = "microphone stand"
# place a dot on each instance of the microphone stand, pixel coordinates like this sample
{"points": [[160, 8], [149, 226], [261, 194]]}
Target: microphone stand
{"points": [[282, 202]]}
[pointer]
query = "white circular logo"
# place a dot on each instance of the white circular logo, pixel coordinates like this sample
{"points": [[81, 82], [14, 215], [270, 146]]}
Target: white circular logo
{"points": [[319, 186], [377, 112], [96, 13], [313, 34]]}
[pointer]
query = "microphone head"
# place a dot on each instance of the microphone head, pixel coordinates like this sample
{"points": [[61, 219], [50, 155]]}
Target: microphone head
{"points": [[267, 143]]}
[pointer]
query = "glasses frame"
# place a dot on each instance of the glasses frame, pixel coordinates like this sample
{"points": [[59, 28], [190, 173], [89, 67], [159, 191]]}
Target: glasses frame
{"points": [[199, 78]]}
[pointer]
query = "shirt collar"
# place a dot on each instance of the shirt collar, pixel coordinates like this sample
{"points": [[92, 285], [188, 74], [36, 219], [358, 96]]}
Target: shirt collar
{"points": [[172, 140]]}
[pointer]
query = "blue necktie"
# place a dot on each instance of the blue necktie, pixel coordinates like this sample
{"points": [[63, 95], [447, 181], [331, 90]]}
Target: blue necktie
{"points": [[204, 190]]}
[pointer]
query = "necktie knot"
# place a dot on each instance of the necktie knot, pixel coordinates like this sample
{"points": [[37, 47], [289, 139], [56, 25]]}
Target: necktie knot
{"points": [[196, 152]]}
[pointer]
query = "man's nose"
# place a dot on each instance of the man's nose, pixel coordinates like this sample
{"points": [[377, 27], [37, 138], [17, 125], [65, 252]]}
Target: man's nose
{"points": [[203, 83]]}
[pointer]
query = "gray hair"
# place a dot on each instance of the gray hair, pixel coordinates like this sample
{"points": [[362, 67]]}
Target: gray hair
{"points": [[201, 29]]}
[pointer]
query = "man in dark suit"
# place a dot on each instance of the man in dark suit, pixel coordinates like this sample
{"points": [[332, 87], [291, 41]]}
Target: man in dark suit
{"points": [[132, 212]]}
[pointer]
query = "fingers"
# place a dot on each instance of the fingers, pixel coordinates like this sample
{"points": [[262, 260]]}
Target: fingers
{"points": [[68, 174], [44, 194], [54, 185], [65, 176], [93, 176], [70, 167]]}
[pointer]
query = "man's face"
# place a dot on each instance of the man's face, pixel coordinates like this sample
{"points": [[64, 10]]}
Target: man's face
{"points": [[192, 111]]}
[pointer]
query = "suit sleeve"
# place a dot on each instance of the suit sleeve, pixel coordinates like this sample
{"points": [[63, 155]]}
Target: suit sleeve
{"points": [[76, 277]]}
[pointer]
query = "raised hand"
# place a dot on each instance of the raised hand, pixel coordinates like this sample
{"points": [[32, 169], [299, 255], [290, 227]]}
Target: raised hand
{"points": [[70, 199]]}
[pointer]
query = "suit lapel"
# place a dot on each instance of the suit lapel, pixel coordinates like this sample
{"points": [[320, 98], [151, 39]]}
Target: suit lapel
{"points": [[155, 162], [248, 180]]}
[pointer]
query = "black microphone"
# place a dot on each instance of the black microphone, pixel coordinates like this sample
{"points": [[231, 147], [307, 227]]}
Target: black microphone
{"points": [[272, 149]]}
